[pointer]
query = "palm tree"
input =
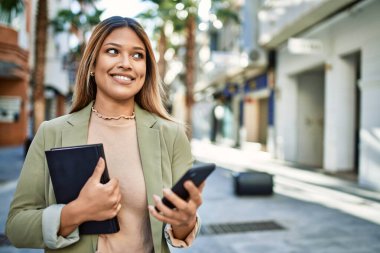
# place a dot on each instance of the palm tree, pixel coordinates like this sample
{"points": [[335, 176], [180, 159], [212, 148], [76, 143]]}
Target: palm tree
{"points": [[190, 66], [77, 23], [39, 63], [165, 16], [42, 23], [187, 23]]}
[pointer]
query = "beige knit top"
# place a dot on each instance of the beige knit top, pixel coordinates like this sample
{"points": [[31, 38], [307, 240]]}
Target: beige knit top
{"points": [[119, 139]]}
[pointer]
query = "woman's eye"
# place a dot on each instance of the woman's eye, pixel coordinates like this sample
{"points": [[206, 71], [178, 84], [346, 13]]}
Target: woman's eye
{"points": [[138, 56], [112, 51]]}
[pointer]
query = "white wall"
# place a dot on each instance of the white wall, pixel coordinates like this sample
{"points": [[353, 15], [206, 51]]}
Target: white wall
{"points": [[353, 31], [369, 158], [288, 67], [340, 115], [286, 117]]}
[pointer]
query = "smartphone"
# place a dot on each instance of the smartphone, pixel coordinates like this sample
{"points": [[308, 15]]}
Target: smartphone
{"points": [[198, 173]]}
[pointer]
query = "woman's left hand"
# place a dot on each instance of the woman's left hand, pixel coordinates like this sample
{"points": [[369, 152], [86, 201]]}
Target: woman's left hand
{"points": [[183, 217]]}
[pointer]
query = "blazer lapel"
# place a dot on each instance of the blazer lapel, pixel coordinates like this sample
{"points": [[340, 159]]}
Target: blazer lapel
{"points": [[76, 130], [150, 153]]}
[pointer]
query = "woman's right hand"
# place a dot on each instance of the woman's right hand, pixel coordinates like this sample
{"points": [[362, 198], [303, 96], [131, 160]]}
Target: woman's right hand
{"points": [[99, 201], [96, 201]]}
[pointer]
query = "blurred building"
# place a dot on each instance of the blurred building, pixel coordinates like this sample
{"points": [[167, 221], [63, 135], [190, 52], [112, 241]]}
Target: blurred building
{"points": [[298, 79], [14, 78], [327, 83], [17, 45], [233, 84], [57, 80]]}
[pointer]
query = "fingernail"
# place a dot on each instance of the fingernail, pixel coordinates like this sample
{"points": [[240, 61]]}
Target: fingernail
{"points": [[167, 191], [157, 198]]}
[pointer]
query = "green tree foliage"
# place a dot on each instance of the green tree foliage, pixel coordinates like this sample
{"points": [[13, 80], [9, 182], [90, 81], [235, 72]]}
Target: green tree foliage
{"points": [[77, 23], [9, 9], [183, 16]]}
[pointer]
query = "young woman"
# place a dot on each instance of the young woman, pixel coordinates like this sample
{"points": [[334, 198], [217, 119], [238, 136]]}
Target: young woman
{"points": [[117, 102]]}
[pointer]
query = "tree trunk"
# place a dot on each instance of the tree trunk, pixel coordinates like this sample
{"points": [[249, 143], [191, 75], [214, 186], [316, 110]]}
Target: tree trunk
{"points": [[190, 70], [162, 47], [39, 64]]}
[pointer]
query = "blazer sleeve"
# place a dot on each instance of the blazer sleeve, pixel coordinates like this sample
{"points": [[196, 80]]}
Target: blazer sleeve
{"points": [[182, 158], [24, 223], [181, 162]]}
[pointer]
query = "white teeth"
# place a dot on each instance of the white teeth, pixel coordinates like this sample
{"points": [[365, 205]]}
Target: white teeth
{"points": [[125, 78]]}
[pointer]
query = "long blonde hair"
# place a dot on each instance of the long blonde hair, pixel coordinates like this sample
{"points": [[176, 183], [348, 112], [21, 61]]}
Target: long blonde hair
{"points": [[151, 94]]}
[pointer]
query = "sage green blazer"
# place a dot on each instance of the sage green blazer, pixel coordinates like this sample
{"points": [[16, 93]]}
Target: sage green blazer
{"points": [[165, 155]]}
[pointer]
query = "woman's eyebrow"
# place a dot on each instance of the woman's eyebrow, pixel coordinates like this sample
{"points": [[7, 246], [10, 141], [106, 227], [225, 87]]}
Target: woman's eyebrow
{"points": [[118, 45], [112, 44], [139, 48]]}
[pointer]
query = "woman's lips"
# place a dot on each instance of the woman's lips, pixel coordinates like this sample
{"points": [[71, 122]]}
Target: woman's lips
{"points": [[123, 79]]}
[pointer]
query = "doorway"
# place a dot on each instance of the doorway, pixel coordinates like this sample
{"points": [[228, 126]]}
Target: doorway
{"points": [[310, 117], [263, 122]]}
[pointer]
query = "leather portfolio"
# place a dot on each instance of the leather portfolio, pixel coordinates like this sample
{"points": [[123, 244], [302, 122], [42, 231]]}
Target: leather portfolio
{"points": [[70, 168]]}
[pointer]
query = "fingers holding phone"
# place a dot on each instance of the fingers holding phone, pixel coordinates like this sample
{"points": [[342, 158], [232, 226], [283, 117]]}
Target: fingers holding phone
{"points": [[195, 193], [184, 212], [179, 205]]}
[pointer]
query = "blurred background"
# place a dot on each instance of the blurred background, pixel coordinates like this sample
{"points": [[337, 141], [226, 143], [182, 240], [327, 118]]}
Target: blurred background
{"points": [[290, 88]]}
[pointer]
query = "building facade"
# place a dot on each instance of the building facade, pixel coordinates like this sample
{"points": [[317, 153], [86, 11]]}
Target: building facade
{"points": [[14, 79], [327, 84], [237, 84]]}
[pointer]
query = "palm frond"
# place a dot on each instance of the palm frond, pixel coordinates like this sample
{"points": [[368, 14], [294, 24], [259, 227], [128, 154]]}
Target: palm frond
{"points": [[9, 9], [227, 14]]}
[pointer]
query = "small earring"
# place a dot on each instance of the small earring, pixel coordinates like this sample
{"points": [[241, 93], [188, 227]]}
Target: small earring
{"points": [[92, 73]]}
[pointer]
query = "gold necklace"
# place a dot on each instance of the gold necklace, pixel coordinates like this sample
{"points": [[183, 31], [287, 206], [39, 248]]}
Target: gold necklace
{"points": [[133, 116]]}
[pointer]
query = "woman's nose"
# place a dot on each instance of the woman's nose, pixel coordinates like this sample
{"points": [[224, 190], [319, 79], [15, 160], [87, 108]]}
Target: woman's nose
{"points": [[125, 62]]}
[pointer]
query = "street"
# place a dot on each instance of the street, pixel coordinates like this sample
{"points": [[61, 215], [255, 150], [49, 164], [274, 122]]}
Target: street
{"points": [[308, 212], [289, 89]]}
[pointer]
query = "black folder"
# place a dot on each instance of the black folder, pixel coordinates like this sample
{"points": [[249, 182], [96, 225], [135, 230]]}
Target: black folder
{"points": [[70, 168]]}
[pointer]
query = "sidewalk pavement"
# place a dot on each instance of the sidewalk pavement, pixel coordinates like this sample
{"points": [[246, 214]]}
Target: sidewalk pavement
{"points": [[11, 159], [318, 213], [286, 174], [308, 212], [241, 160]]}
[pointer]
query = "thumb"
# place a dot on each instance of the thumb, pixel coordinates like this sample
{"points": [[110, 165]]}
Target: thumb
{"points": [[99, 169]]}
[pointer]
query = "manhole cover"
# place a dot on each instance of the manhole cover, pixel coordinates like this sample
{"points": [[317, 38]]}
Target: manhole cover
{"points": [[242, 227], [4, 240]]}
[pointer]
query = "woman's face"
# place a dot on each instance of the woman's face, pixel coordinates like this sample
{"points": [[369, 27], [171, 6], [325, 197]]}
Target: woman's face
{"points": [[120, 67]]}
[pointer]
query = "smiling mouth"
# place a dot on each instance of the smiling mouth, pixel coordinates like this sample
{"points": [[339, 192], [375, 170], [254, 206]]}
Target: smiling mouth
{"points": [[123, 78]]}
